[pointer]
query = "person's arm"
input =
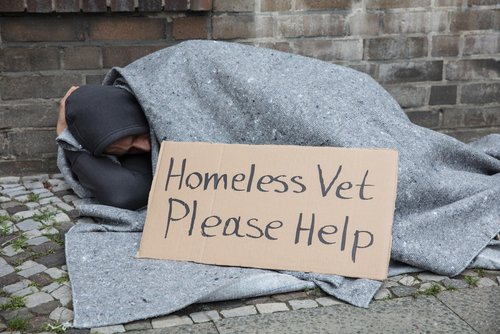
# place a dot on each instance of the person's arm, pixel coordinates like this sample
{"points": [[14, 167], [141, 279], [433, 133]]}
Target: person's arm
{"points": [[126, 186], [61, 120]]}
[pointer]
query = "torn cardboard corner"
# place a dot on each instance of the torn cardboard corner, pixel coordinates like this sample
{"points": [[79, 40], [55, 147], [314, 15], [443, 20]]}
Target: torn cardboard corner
{"points": [[313, 209]]}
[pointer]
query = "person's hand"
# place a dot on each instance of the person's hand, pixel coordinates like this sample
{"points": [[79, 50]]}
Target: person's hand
{"points": [[61, 120]]}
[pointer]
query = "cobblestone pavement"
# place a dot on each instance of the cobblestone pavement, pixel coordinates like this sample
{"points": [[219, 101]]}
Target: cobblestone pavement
{"points": [[37, 211]]}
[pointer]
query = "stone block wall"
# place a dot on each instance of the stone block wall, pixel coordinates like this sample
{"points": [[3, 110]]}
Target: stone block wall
{"points": [[440, 59]]}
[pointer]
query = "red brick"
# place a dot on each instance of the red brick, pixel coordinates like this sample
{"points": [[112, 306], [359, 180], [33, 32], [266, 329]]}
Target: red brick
{"points": [[94, 6], [33, 144], [330, 50], [39, 6], [234, 5], [27, 167], [471, 117], [30, 59], [29, 115], [475, 20], [275, 5], [67, 6], [32, 87], [388, 4], [81, 58], [364, 24], [11, 6], [443, 95], [123, 55], [201, 5], [473, 69], [408, 97], [411, 72], [483, 2], [190, 28], [449, 3], [311, 25], [176, 5], [323, 4], [122, 5], [229, 27], [445, 45], [414, 22], [94, 79], [480, 93], [482, 44], [42, 29], [427, 119], [149, 5], [370, 69], [279, 46], [123, 29], [396, 48]]}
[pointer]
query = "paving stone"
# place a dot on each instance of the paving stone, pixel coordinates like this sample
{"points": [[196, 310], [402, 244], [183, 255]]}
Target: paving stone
{"points": [[408, 281], [455, 283], [58, 176], [9, 179], [55, 182], [85, 220], [45, 247], [395, 278], [485, 281], [170, 321], [2, 262], [54, 273], [257, 300], [14, 208], [138, 325], [427, 286], [77, 203], [37, 241], [5, 270], [469, 272], [239, 312], [26, 214], [35, 325], [329, 301], [65, 207], [204, 316], [389, 284], [61, 217], [78, 331], [382, 293], [9, 279], [38, 299], [70, 198], [19, 313], [49, 200], [3, 213], [44, 195], [27, 265], [54, 259], [108, 329], [73, 214], [23, 199], [32, 271], [42, 279], [3, 300], [17, 193], [36, 178], [284, 297], [62, 315], [26, 291], [15, 188], [4, 199], [271, 307], [61, 187], [63, 294], [10, 251], [403, 291], [21, 257], [50, 209], [227, 303], [51, 287], [34, 185], [41, 191], [51, 231], [17, 286], [32, 205], [33, 234], [492, 272], [29, 224], [45, 308], [300, 304]]}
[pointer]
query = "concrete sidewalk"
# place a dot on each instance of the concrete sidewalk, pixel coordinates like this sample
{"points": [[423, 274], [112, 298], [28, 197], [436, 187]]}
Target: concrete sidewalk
{"points": [[464, 311]]}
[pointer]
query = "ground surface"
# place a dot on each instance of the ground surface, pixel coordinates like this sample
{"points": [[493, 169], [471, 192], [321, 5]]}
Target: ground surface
{"points": [[35, 295]]}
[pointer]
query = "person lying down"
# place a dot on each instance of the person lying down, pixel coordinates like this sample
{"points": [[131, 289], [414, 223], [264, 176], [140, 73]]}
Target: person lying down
{"points": [[111, 127]]}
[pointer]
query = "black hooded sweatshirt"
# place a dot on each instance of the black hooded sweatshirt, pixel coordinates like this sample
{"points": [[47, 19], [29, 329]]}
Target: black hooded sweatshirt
{"points": [[97, 116]]}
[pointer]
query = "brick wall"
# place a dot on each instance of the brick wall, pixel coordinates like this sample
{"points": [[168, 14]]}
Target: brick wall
{"points": [[440, 59]]}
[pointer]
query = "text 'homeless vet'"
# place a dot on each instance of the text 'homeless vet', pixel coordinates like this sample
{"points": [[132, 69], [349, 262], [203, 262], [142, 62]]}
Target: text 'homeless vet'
{"points": [[255, 180]]}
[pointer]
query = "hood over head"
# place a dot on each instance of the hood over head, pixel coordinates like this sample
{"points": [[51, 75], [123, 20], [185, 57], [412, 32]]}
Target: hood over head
{"points": [[99, 115]]}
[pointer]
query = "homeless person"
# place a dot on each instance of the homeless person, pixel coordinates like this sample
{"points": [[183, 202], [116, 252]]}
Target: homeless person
{"points": [[447, 209]]}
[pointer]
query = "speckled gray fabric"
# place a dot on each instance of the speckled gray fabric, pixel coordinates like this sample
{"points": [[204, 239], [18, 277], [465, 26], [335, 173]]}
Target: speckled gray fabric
{"points": [[447, 207]]}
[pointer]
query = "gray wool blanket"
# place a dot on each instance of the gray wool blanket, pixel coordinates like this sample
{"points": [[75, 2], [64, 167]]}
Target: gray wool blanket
{"points": [[448, 194]]}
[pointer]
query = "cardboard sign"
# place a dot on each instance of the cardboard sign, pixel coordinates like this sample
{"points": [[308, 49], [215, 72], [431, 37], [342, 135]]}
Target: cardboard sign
{"points": [[312, 209]]}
